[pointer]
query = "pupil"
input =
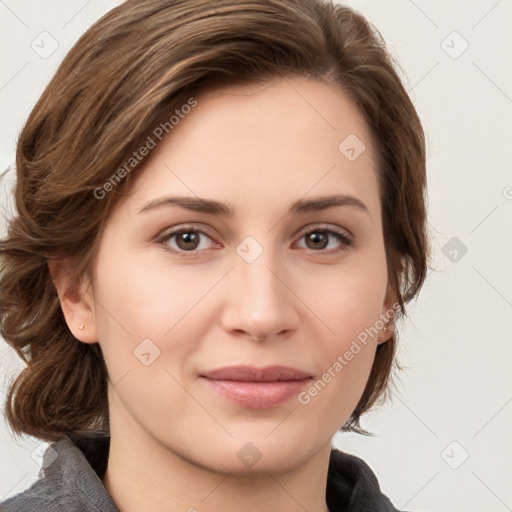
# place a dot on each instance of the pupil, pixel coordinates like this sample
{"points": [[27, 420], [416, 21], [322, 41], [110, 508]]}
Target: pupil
{"points": [[317, 240], [188, 240]]}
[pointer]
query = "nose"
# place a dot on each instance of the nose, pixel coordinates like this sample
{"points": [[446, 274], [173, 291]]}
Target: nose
{"points": [[260, 302]]}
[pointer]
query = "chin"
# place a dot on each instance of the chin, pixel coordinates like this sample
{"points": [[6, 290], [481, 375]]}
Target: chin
{"points": [[260, 455]]}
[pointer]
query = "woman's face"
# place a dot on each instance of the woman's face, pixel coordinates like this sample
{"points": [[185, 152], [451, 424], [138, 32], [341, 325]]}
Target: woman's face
{"points": [[183, 288]]}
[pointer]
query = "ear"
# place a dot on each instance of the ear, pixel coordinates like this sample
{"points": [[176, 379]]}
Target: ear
{"points": [[388, 317], [76, 300]]}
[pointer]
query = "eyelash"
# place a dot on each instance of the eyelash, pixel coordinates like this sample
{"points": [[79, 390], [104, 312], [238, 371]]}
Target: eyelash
{"points": [[342, 237]]}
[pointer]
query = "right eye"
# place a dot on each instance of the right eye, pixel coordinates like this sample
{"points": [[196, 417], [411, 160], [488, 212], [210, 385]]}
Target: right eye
{"points": [[186, 240]]}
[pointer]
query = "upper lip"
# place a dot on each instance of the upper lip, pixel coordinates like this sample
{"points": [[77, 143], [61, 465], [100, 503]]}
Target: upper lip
{"points": [[253, 374]]}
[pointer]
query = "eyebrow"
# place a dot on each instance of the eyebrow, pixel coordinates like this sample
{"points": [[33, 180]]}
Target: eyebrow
{"points": [[212, 207]]}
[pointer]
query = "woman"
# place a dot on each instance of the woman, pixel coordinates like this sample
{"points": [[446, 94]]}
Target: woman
{"points": [[220, 215]]}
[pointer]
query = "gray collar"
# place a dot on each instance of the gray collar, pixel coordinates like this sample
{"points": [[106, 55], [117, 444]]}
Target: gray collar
{"points": [[70, 480]]}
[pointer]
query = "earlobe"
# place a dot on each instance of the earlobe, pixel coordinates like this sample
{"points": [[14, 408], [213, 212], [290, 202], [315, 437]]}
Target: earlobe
{"points": [[75, 299], [388, 317], [386, 332]]}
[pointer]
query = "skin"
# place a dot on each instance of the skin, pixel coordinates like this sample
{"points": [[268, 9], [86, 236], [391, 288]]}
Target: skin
{"points": [[258, 149]]}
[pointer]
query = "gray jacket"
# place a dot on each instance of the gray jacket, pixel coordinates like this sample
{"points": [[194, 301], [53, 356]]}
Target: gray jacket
{"points": [[72, 470]]}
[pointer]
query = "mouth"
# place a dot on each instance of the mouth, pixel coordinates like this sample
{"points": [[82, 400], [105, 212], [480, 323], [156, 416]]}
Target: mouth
{"points": [[257, 388]]}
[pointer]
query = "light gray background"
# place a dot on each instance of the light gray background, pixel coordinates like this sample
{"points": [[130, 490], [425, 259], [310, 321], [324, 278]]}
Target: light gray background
{"points": [[456, 398]]}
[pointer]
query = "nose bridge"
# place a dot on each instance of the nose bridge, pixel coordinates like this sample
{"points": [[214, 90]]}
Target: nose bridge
{"points": [[260, 303], [259, 280]]}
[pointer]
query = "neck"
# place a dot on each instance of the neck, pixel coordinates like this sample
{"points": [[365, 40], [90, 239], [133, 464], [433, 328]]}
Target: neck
{"points": [[153, 477]]}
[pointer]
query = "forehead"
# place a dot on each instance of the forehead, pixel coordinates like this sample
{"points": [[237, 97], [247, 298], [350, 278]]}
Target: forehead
{"points": [[276, 142]]}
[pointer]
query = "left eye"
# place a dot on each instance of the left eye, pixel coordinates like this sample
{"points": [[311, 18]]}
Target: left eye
{"points": [[325, 240]]}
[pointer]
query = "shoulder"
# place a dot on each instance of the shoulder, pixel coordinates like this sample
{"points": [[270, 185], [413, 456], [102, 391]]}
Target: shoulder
{"points": [[48, 493], [40, 497], [66, 481], [353, 486]]}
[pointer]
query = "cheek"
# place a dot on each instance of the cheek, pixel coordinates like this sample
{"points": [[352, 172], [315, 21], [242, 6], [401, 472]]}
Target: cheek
{"points": [[140, 317], [133, 297], [348, 302], [136, 302], [348, 299], [350, 308]]}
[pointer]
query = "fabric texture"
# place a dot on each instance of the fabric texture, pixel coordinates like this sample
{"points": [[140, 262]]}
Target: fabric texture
{"points": [[72, 471]]}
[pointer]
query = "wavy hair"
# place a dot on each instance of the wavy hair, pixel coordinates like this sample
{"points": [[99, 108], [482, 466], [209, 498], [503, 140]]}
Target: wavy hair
{"points": [[139, 62]]}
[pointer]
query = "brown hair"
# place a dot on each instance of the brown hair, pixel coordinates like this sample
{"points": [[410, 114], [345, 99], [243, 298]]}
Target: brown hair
{"points": [[139, 62]]}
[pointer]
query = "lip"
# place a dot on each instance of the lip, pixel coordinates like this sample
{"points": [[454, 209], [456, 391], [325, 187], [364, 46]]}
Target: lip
{"points": [[254, 374], [257, 388]]}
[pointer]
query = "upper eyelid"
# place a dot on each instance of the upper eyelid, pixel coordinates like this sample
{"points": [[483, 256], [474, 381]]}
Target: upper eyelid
{"points": [[167, 233], [322, 226], [305, 229]]}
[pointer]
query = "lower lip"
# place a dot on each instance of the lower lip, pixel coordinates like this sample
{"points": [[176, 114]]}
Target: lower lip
{"points": [[258, 395]]}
